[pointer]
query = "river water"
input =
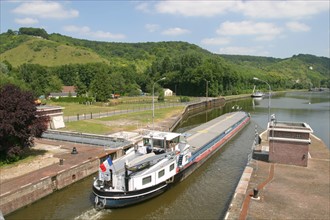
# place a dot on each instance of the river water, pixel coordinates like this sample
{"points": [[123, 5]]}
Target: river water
{"points": [[206, 193]]}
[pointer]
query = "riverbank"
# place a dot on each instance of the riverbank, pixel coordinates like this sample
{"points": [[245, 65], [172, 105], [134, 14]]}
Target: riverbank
{"points": [[285, 191]]}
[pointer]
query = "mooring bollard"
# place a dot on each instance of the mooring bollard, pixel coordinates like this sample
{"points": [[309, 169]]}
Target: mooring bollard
{"points": [[74, 150], [255, 193]]}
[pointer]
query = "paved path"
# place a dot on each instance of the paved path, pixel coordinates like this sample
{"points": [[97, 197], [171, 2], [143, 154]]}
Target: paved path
{"points": [[287, 191]]}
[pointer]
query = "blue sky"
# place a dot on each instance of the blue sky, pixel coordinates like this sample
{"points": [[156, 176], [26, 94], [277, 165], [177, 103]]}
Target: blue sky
{"points": [[278, 29]]}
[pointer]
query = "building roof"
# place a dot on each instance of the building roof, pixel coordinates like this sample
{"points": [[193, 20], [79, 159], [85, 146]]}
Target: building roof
{"points": [[68, 89], [301, 127]]}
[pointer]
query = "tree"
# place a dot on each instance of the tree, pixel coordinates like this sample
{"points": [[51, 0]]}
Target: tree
{"points": [[54, 85], [34, 32], [36, 77], [161, 95], [101, 87], [19, 123]]}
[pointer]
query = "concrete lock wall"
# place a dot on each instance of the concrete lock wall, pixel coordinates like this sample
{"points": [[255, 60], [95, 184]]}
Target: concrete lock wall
{"points": [[32, 192], [25, 195], [76, 173], [195, 108]]}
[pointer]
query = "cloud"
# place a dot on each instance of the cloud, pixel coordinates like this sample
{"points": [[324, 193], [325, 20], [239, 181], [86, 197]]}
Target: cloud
{"points": [[255, 51], [87, 32], [297, 26], [262, 30], [251, 9], [216, 41], [194, 8], [45, 9], [282, 9], [152, 27], [143, 7], [175, 31], [26, 21]]}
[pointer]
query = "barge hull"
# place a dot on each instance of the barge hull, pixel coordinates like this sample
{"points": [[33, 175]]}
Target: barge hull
{"points": [[203, 156]]}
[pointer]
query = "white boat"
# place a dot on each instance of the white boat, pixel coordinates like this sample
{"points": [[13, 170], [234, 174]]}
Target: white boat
{"points": [[163, 159], [257, 93]]}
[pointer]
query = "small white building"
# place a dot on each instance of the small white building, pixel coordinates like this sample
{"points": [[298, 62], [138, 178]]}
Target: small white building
{"points": [[67, 91], [168, 92], [55, 114]]}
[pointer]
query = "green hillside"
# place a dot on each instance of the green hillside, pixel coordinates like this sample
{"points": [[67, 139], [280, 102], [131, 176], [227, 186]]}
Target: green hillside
{"points": [[48, 53], [43, 62]]}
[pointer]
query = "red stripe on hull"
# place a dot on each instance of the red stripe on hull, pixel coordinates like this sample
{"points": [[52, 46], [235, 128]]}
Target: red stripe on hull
{"points": [[218, 145]]}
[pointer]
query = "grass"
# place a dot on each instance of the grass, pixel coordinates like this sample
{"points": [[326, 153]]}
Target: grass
{"points": [[71, 109], [124, 103], [48, 53], [125, 122], [27, 156], [88, 126]]}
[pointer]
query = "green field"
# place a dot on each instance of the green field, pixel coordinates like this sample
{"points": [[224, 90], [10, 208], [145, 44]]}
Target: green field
{"points": [[124, 103], [124, 122]]}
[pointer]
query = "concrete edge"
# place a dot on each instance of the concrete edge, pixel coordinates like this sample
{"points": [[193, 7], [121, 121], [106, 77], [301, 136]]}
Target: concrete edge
{"points": [[237, 201]]}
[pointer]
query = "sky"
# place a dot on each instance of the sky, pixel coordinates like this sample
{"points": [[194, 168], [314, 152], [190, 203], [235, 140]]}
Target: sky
{"points": [[277, 29]]}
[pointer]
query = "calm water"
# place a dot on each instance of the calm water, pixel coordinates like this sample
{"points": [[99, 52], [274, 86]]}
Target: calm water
{"points": [[208, 191]]}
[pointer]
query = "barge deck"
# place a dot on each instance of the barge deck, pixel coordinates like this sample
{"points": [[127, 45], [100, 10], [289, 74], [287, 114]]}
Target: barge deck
{"points": [[197, 137]]}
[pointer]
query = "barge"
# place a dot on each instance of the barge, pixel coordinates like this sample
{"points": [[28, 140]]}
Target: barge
{"points": [[162, 160]]}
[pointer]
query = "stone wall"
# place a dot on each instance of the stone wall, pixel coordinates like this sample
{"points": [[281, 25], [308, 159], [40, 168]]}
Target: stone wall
{"points": [[25, 195], [76, 173], [195, 108], [32, 192]]}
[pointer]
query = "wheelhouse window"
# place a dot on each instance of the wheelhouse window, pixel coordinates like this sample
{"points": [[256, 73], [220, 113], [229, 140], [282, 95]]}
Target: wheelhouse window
{"points": [[158, 143], [161, 173], [146, 180], [172, 167]]}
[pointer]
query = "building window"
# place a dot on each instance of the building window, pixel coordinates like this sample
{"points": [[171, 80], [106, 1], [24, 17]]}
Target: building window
{"points": [[161, 173], [146, 180], [172, 167]]}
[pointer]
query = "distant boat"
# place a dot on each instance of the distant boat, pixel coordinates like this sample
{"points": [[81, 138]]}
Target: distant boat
{"points": [[256, 94]]}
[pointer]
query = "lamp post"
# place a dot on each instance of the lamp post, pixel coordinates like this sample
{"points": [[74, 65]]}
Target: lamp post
{"points": [[207, 88], [153, 101], [255, 78]]}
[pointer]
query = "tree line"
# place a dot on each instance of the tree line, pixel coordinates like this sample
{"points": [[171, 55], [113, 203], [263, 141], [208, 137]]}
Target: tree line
{"points": [[186, 75]]}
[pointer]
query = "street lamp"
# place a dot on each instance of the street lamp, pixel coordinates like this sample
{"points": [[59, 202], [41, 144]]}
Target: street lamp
{"points": [[207, 88], [255, 78], [153, 101]]}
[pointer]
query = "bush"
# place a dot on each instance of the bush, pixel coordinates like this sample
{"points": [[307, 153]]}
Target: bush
{"points": [[184, 99]]}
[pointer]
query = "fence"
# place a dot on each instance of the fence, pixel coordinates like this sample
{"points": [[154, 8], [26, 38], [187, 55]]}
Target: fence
{"points": [[90, 115]]}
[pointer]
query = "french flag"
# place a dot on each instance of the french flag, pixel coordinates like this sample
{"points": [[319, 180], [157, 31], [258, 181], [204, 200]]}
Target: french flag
{"points": [[106, 164]]}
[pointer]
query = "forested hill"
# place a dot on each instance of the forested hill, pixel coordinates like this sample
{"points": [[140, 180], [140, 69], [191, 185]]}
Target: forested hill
{"points": [[301, 62], [44, 62]]}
